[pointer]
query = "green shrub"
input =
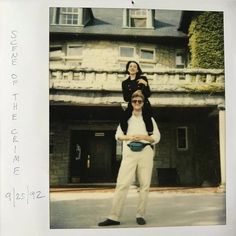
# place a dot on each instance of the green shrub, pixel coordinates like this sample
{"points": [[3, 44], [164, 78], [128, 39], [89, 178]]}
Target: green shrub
{"points": [[206, 40]]}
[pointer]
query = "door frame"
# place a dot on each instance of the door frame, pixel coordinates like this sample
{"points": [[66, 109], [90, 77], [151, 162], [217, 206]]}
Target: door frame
{"points": [[87, 133]]}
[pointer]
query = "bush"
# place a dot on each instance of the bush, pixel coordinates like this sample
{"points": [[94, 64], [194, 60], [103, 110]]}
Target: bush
{"points": [[206, 40]]}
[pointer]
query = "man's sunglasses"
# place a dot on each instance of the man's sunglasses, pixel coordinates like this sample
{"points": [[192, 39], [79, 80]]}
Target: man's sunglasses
{"points": [[137, 101]]}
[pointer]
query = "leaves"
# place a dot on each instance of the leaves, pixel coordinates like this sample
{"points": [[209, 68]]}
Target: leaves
{"points": [[206, 40]]}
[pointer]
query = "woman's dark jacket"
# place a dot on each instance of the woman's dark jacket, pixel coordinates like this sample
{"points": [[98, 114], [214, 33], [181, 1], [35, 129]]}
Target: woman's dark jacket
{"points": [[128, 88]]}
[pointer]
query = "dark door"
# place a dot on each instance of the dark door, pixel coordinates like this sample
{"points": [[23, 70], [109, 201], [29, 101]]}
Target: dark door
{"points": [[92, 157]]}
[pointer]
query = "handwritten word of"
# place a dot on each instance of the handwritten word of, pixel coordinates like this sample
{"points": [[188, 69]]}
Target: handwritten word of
{"points": [[27, 196]]}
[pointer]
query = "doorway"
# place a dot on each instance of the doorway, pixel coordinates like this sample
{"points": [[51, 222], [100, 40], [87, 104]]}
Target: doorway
{"points": [[93, 157]]}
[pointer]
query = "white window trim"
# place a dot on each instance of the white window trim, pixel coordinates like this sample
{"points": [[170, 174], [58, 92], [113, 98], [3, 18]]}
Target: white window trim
{"points": [[176, 52], [138, 16], [137, 27], [129, 58], [127, 19], [80, 18], [186, 132], [148, 60], [69, 13]]}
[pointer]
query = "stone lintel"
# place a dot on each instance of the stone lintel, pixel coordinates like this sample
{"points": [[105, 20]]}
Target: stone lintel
{"points": [[115, 99]]}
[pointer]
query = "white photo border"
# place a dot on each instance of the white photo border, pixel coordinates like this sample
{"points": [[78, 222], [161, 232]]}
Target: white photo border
{"points": [[28, 21]]}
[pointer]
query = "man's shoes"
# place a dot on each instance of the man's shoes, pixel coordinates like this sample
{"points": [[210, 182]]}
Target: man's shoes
{"points": [[140, 221], [108, 222]]}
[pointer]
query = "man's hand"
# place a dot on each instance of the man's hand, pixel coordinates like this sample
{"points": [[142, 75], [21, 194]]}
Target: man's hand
{"points": [[132, 137], [136, 137], [139, 137]]}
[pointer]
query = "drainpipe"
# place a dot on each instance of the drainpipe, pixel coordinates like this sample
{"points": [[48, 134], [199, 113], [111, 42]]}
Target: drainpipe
{"points": [[221, 108]]}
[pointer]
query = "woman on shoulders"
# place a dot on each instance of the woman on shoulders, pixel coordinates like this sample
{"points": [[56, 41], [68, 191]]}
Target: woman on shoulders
{"points": [[136, 81]]}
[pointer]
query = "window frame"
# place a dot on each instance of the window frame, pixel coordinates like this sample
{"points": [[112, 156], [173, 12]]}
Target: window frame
{"points": [[124, 57], [149, 18], [74, 57], [59, 57], [145, 59], [137, 16], [184, 59], [186, 139], [56, 16], [61, 13]]}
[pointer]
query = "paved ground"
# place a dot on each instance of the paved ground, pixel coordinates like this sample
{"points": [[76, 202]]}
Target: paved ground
{"points": [[84, 208]]}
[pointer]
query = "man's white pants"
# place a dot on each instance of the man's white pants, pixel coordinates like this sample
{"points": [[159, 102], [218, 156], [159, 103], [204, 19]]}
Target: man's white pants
{"points": [[143, 162]]}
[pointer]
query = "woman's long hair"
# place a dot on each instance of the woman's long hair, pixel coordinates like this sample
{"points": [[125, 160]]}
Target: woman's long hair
{"points": [[139, 69]]}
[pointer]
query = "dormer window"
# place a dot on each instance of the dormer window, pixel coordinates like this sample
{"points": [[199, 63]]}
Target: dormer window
{"points": [[70, 16], [138, 18]]}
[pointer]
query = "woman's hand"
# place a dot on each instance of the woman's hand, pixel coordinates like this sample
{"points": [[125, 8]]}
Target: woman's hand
{"points": [[142, 81]]}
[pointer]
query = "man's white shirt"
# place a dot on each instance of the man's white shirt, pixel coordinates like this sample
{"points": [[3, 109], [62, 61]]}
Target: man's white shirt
{"points": [[136, 126]]}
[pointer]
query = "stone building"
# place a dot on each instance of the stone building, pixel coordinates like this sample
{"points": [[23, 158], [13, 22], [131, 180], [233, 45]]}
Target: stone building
{"points": [[89, 49]]}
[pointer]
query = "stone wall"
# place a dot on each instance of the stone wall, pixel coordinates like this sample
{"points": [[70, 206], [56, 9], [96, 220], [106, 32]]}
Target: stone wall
{"points": [[192, 165], [169, 157], [101, 54], [59, 159]]}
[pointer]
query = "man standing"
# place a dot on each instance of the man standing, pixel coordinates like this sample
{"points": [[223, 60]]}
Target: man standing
{"points": [[142, 160]]}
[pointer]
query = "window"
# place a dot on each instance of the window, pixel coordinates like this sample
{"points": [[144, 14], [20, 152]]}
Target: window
{"points": [[66, 16], [55, 48], [180, 59], [69, 16], [147, 54], [126, 51], [138, 18], [74, 50], [56, 52], [144, 56], [182, 138]]}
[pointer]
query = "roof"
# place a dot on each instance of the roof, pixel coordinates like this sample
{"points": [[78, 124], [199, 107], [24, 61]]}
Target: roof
{"points": [[109, 22]]}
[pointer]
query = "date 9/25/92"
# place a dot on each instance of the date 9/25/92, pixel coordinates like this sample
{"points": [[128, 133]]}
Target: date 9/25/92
{"points": [[27, 196]]}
